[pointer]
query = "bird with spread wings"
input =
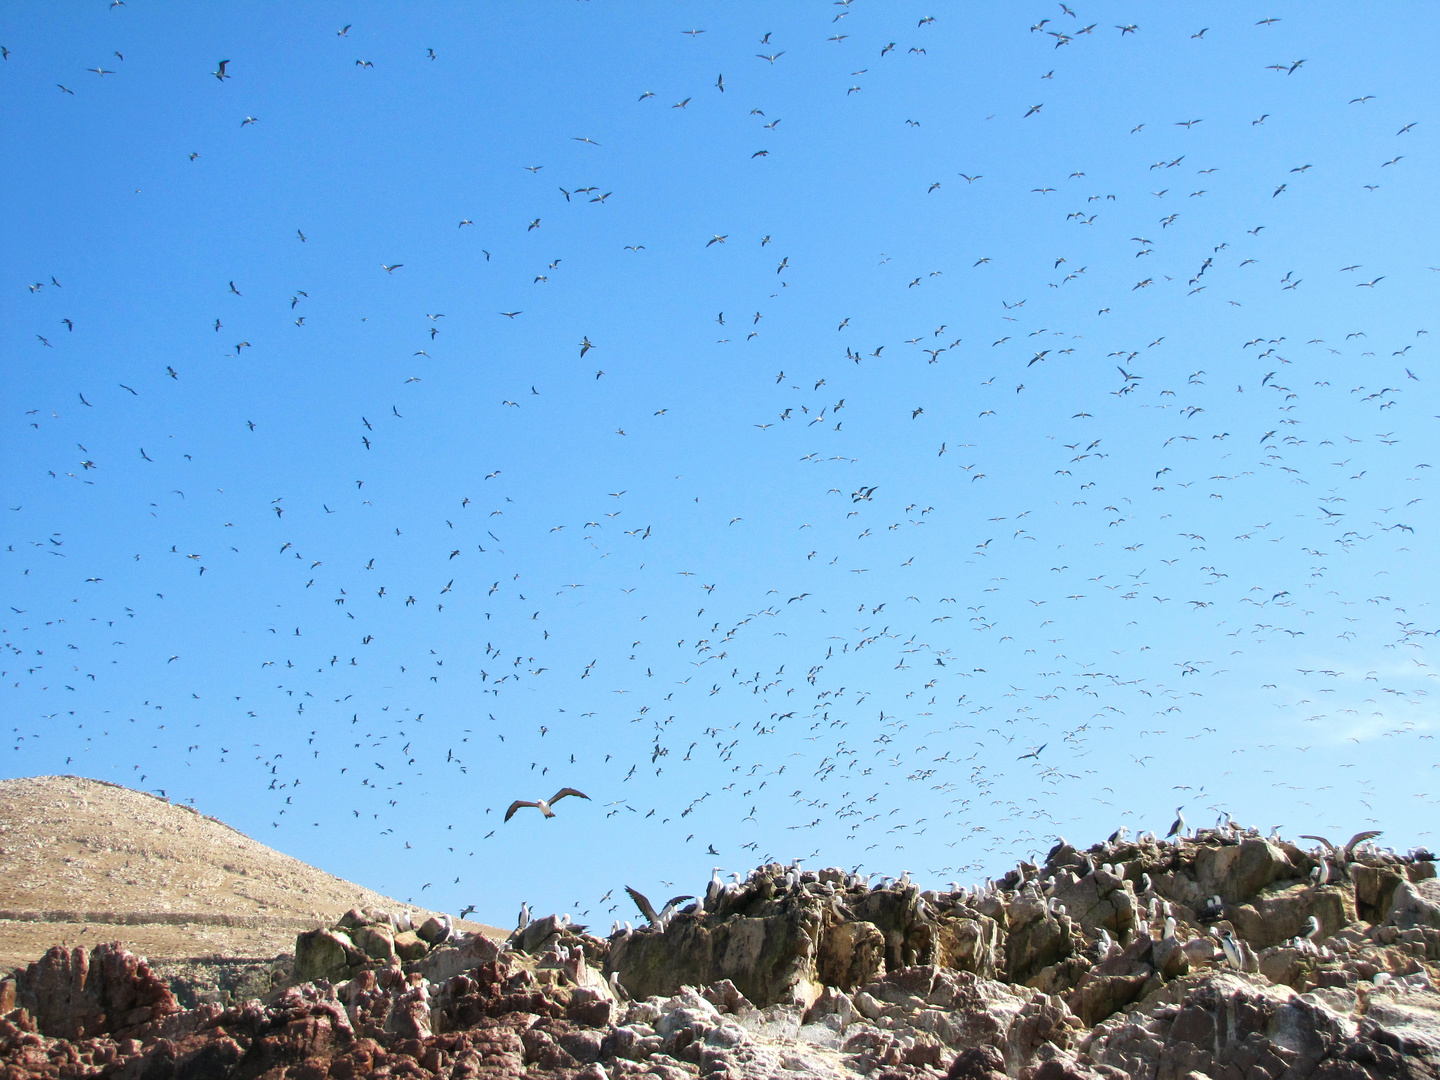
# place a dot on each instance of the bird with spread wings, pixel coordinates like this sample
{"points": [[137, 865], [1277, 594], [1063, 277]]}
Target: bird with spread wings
{"points": [[543, 805]]}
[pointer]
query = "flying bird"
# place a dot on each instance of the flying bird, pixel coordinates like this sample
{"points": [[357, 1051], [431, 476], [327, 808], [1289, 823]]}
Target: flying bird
{"points": [[543, 805]]}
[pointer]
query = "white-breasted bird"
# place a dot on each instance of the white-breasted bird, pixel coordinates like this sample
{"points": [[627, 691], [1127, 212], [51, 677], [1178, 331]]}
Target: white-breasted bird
{"points": [[543, 805], [1233, 956]]}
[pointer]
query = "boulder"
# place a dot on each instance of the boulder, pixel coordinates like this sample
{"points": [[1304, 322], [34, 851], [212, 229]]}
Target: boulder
{"points": [[325, 954], [433, 930], [1045, 1023], [376, 941], [1236, 872], [408, 946], [1415, 904], [460, 954], [538, 934], [1170, 958], [1099, 900], [978, 1063], [1286, 967]]}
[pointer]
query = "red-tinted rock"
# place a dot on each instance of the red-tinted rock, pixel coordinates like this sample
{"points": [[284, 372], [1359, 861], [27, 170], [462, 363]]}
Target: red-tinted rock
{"points": [[106, 991]]}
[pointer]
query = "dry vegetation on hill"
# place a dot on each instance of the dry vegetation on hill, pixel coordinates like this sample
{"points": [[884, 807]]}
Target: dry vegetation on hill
{"points": [[83, 861]]}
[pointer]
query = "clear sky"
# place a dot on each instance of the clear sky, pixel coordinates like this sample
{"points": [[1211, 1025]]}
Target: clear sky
{"points": [[811, 430]]}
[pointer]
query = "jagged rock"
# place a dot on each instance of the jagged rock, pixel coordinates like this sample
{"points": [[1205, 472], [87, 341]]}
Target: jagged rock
{"points": [[587, 1006], [1056, 1069], [909, 935], [969, 943], [364, 938], [1228, 1025], [1374, 890], [1201, 950], [1036, 939], [1407, 1014], [832, 1002], [1286, 967], [352, 918], [1355, 1001], [458, 955], [727, 998], [851, 954], [77, 994], [538, 934], [1170, 959], [958, 1008], [1100, 900], [1114, 982], [1044, 1025], [768, 958]]}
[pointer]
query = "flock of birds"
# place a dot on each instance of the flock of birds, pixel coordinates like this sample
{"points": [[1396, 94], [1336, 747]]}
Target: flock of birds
{"points": [[961, 704]]}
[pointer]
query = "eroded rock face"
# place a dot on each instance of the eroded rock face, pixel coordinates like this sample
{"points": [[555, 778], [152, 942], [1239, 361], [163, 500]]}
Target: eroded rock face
{"points": [[828, 978], [78, 994], [1227, 1025], [1282, 910], [783, 941], [770, 956]]}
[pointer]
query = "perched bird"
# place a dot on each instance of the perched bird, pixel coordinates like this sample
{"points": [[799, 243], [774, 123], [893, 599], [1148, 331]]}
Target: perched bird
{"points": [[1177, 827], [656, 919]]}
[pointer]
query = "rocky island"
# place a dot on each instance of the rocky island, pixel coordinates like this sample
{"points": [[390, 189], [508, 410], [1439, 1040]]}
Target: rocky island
{"points": [[1224, 953]]}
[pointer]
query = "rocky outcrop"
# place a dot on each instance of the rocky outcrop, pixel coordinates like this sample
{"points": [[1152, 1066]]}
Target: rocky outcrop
{"points": [[75, 994], [1230, 1025], [783, 936], [365, 939], [222, 980], [1087, 966]]}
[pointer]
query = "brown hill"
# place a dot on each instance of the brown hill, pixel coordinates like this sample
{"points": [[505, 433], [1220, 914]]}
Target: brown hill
{"points": [[84, 861]]}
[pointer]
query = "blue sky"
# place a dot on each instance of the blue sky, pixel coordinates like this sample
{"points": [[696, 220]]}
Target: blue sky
{"points": [[1105, 427]]}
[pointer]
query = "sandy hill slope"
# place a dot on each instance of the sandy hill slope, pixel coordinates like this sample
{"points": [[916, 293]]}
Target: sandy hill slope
{"points": [[83, 861]]}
